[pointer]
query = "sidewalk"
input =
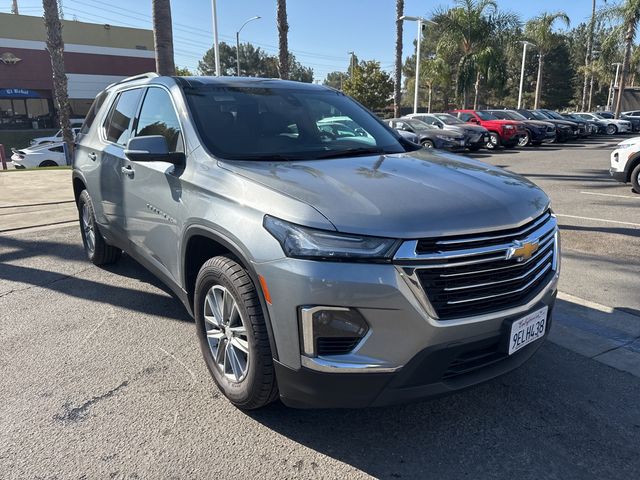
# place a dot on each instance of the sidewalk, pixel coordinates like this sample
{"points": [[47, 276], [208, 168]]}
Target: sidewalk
{"points": [[36, 198]]}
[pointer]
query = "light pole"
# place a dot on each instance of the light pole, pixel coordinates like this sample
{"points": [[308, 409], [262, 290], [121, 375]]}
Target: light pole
{"points": [[421, 21], [216, 49], [612, 93], [524, 57], [238, 43]]}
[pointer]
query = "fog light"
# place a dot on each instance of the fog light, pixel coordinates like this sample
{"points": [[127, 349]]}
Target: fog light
{"points": [[330, 330]]}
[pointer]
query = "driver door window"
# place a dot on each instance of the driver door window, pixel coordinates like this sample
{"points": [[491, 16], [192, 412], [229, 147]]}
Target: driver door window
{"points": [[158, 117]]}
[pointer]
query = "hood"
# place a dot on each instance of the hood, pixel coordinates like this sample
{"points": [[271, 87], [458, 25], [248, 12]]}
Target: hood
{"points": [[630, 141], [537, 123], [409, 195], [501, 122], [468, 129], [567, 123]]}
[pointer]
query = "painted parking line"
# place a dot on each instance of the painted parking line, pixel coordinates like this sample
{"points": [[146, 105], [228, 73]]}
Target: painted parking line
{"points": [[597, 220], [611, 195]]}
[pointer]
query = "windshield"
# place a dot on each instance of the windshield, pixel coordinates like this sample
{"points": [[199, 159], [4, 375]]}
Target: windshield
{"points": [[515, 115], [449, 119], [486, 116], [539, 115], [552, 114], [507, 115], [418, 124], [264, 123]]}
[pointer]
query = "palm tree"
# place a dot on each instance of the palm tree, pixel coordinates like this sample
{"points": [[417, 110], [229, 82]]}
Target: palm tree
{"points": [[398, 67], [539, 31], [469, 29], [629, 13], [55, 46], [283, 45], [163, 37]]}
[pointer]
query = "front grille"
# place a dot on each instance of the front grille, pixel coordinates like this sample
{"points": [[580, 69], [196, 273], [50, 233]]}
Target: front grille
{"points": [[475, 274], [336, 345], [473, 360], [551, 129]]}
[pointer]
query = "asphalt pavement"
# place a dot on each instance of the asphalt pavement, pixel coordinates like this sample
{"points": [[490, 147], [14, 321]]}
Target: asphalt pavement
{"points": [[103, 377]]}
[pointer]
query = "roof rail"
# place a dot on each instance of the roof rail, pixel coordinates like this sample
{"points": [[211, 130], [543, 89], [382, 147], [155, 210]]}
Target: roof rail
{"points": [[135, 77]]}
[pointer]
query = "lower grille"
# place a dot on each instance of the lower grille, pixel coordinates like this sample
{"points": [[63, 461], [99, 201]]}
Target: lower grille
{"points": [[336, 345], [473, 275], [474, 360]]}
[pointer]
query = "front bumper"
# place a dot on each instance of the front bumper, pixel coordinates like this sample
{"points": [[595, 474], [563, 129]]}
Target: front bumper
{"points": [[434, 371]]}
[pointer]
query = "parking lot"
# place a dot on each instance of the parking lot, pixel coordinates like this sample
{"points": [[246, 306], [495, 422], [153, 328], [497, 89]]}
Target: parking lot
{"points": [[103, 377]]}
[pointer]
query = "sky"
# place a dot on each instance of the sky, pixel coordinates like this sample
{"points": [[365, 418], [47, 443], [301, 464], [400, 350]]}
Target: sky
{"points": [[321, 32]]}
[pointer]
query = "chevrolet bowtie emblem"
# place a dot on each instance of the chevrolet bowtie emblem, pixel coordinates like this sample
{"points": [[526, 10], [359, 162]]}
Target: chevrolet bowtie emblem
{"points": [[522, 251]]}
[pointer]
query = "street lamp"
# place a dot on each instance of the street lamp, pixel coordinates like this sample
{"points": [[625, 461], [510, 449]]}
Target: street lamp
{"points": [[524, 57], [612, 90], [216, 49], [421, 22], [238, 43]]}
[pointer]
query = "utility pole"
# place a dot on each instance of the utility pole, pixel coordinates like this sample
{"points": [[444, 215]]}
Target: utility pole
{"points": [[216, 48], [351, 63], [589, 56], [524, 57], [14, 7]]}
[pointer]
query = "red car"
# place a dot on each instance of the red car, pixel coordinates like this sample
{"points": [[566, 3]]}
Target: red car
{"points": [[504, 133]]}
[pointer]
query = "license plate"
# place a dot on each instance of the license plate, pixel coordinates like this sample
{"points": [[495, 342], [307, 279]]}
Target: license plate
{"points": [[527, 330]]}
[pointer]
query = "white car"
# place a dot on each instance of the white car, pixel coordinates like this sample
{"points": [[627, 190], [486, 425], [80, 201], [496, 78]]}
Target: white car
{"points": [[49, 155], [625, 162], [613, 126], [57, 138]]}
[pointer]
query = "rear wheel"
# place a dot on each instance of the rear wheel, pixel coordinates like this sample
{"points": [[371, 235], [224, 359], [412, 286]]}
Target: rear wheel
{"points": [[494, 141], [635, 179], [233, 335], [97, 249], [48, 163], [612, 129]]}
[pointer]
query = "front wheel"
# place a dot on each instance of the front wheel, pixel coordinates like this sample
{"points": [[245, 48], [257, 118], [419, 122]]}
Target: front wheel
{"points": [[612, 129], [494, 141], [233, 335], [428, 144], [525, 140], [97, 249], [635, 179]]}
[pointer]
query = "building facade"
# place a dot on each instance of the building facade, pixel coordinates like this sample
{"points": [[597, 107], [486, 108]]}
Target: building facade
{"points": [[95, 55]]}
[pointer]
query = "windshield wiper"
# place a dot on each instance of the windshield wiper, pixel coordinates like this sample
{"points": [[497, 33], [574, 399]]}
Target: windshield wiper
{"points": [[350, 152]]}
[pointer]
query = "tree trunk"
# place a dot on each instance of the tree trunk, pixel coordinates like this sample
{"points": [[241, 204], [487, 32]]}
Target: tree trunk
{"points": [[14, 7], [55, 46], [163, 37], [283, 45], [536, 103], [588, 58], [397, 88], [628, 45], [477, 91], [429, 100]]}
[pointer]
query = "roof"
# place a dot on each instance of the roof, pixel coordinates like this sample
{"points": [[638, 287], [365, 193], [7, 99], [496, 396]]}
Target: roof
{"points": [[226, 81]]}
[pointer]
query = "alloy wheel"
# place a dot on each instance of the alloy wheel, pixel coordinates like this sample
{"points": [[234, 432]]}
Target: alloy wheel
{"points": [[88, 229], [226, 333]]}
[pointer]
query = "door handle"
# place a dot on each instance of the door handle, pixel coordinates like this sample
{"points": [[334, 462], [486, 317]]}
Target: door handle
{"points": [[92, 156], [128, 171]]}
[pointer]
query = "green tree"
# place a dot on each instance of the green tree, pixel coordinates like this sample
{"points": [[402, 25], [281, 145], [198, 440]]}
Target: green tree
{"points": [[468, 32], [335, 80], [183, 72], [370, 85], [628, 12], [540, 31]]}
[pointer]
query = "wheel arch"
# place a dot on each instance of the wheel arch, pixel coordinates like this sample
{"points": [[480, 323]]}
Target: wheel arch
{"points": [[632, 163], [78, 186], [201, 243]]}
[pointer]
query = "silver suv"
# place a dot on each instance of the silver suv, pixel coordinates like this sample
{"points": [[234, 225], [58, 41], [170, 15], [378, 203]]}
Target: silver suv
{"points": [[342, 268]]}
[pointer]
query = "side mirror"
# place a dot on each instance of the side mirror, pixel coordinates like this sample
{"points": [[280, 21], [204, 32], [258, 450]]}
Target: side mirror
{"points": [[152, 148], [440, 125]]}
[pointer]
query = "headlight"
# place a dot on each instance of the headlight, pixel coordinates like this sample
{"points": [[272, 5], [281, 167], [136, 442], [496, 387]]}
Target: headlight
{"points": [[622, 146], [304, 242]]}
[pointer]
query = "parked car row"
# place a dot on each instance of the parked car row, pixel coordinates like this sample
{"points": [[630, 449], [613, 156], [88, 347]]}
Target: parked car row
{"points": [[474, 129]]}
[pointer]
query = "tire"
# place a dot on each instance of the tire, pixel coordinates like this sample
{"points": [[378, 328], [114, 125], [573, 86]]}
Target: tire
{"points": [[524, 141], [248, 379], [494, 141], [635, 179], [612, 129], [98, 251], [428, 144], [475, 148], [48, 163]]}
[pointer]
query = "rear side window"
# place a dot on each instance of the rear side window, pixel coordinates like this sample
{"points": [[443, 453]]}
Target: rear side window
{"points": [[465, 117], [158, 117], [93, 111], [117, 127]]}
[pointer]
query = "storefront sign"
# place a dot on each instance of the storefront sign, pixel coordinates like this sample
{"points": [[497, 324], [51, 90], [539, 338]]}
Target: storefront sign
{"points": [[18, 93]]}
